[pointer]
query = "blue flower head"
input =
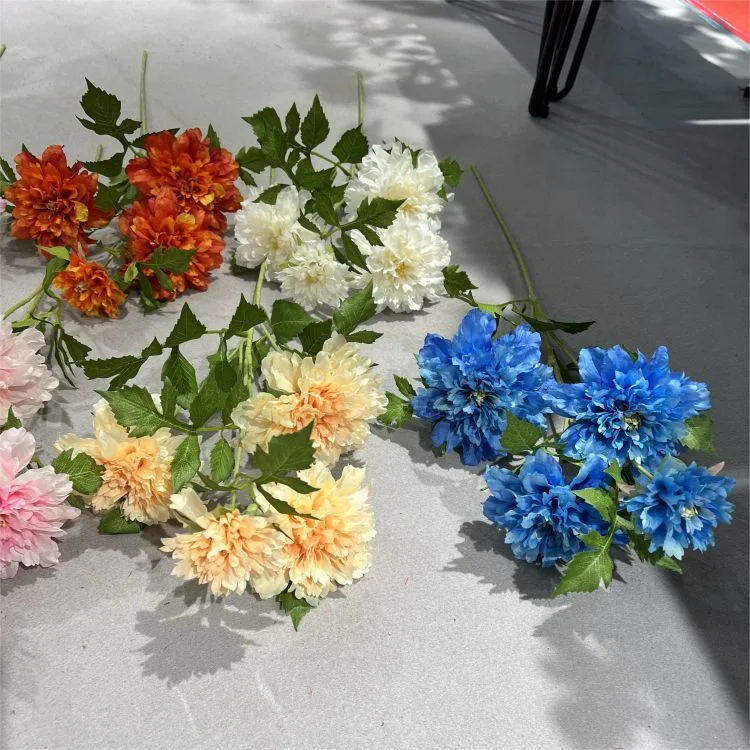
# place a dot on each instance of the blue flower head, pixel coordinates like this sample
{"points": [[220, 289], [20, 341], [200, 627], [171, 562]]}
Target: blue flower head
{"points": [[471, 380], [537, 507], [625, 409], [680, 507]]}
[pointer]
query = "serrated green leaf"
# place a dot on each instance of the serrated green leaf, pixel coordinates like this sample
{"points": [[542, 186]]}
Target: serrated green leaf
{"points": [[208, 401], [108, 198], [281, 506], [288, 319], [187, 328], [324, 208], [226, 375], [51, 269], [84, 473], [270, 194], [294, 607], [213, 137], [497, 310], [307, 177], [113, 366], [397, 413], [352, 252], [77, 350], [354, 310], [314, 335], [363, 337], [222, 461], [594, 540], [58, 252], [352, 147], [404, 386], [599, 499], [520, 436], [181, 374], [700, 435], [668, 564], [251, 158], [186, 462], [171, 259], [315, 126], [286, 453], [303, 488], [451, 171], [456, 282], [101, 106], [614, 471], [586, 571], [135, 409], [108, 167], [556, 325], [377, 212], [264, 121], [641, 543], [115, 523], [140, 141], [168, 399], [292, 122], [11, 421]]}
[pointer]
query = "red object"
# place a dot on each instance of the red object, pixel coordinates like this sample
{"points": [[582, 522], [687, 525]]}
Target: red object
{"points": [[733, 15]]}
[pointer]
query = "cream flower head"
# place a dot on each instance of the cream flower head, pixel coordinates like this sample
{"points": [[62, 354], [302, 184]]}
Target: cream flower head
{"points": [[313, 277], [270, 231], [334, 549], [136, 470], [25, 381], [407, 268], [228, 551], [337, 391], [389, 172]]}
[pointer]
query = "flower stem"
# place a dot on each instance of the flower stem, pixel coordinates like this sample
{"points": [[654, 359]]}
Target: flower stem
{"points": [[34, 298], [643, 470], [520, 262], [98, 152], [360, 99], [144, 60], [3, 47]]}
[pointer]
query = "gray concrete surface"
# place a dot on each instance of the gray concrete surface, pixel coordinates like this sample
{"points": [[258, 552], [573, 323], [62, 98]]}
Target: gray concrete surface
{"points": [[630, 213]]}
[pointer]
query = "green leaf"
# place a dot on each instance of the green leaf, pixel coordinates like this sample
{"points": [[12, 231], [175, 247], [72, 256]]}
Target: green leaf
{"points": [[252, 159], [294, 607], [58, 252], [186, 462], [303, 488], [599, 499], [556, 325], [140, 141], [378, 212], [288, 319], [226, 375], [307, 177], [352, 147], [207, 401], [286, 453], [135, 409], [397, 413], [496, 310], [315, 126], [594, 540], [700, 435], [270, 194], [456, 282], [281, 506], [354, 310], [107, 198], [404, 386], [11, 421], [274, 148], [363, 337], [324, 208], [520, 436], [586, 571], [292, 121], [172, 259], [213, 137], [187, 328], [82, 470], [615, 471], [128, 365], [108, 167], [77, 350], [668, 564], [264, 122], [101, 106], [51, 269], [451, 171], [314, 335], [168, 399], [7, 171], [353, 254], [115, 523], [640, 543], [181, 374], [222, 461]]}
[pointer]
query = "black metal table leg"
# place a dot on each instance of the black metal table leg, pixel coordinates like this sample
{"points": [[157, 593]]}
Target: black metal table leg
{"points": [[554, 12]]}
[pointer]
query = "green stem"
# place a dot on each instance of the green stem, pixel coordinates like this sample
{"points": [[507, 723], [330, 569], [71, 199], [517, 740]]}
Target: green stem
{"points": [[643, 470], [322, 157], [98, 152], [509, 238], [144, 60], [3, 47], [217, 429], [360, 99], [34, 298]]}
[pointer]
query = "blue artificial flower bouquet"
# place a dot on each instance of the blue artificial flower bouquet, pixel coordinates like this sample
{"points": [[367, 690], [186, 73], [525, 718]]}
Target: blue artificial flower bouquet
{"points": [[581, 451]]}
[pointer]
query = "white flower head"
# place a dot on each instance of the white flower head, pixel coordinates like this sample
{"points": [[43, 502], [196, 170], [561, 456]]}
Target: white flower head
{"points": [[270, 231], [313, 277], [390, 172], [407, 268]]}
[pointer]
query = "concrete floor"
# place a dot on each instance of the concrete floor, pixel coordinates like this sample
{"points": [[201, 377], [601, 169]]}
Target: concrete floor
{"points": [[631, 212]]}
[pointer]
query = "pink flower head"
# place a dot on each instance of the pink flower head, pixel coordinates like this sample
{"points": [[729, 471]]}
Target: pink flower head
{"points": [[33, 505], [25, 381]]}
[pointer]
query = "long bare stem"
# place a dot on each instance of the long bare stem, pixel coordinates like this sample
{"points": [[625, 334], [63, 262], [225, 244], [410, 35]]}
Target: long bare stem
{"points": [[360, 98], [144, 60]]}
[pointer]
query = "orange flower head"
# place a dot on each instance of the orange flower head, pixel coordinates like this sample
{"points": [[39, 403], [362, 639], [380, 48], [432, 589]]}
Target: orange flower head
{"points": [[199, 175], [162, 222], [54, 203], [88, 287]]}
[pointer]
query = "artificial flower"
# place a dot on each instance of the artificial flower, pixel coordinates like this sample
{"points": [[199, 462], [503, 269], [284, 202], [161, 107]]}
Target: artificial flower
{"points": [[625, 408], [33, 506], [680, 507], [313, 277], [331, 549], [25, 381], [542, 516], [407, 268], [89, 288], [337, 391], [201, 176], [54, 203], [229, 550], [161, 222], [397, 173], [270, 231], [472, 380], [137, 470]]}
